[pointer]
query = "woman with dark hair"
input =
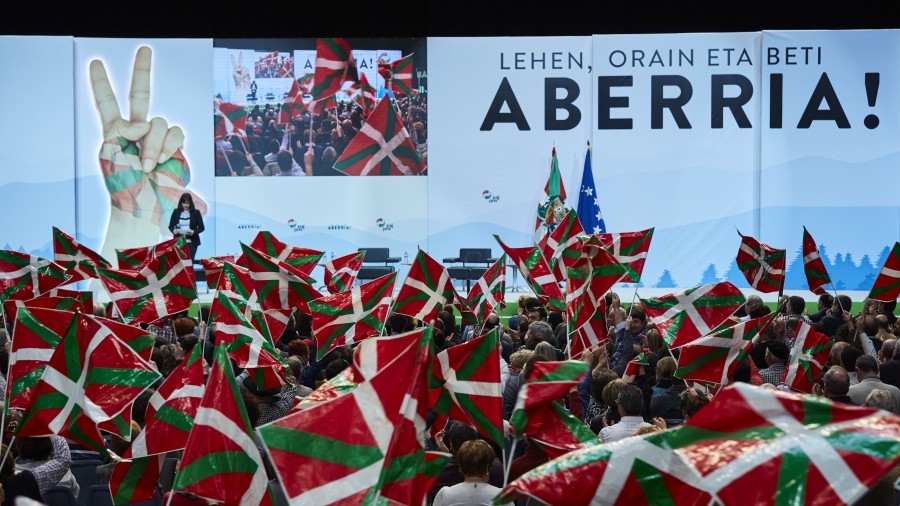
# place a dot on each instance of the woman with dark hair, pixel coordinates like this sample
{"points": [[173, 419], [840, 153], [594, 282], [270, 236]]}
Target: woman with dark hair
{"points": [[16, 484], [187, 221]]}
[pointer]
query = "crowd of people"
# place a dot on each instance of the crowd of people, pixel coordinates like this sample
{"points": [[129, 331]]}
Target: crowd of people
{"points": [[276, 147], [863, 370]]}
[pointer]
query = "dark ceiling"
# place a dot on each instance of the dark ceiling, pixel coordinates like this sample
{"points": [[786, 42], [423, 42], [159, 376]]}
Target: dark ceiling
{"points": [[379, 18]]}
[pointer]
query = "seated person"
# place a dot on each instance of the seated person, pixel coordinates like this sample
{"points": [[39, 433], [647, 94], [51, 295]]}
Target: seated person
{"points": [[48, 459]]}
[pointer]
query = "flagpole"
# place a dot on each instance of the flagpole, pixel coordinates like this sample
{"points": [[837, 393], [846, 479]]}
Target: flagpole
{"points": [[227, 161], [633, 299], [834, 289], [512, 449]]}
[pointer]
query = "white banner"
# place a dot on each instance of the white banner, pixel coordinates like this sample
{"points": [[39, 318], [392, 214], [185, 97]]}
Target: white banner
{"points": [[180, 91], [675, 147], [319, 213], [830, 154], [497, 108], [37, 142]]}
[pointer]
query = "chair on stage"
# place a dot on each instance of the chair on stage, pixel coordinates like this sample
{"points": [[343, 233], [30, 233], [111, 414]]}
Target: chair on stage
{"points": [[376, 263], [469, 272]]}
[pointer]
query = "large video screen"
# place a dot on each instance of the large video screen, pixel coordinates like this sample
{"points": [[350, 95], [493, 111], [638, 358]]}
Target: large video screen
{"points": [[349, 107]]}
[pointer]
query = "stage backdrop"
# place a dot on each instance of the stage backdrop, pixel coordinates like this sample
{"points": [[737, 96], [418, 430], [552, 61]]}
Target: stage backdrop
{"points": [[830, 152], [676, 147], [696, 135], [498, 107], [37, 141], [180, 87]]}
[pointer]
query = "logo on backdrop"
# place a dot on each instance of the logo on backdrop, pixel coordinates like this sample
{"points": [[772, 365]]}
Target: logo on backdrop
{"points": [[249, 226], [383, 225], [296, 227], [490, 197]]}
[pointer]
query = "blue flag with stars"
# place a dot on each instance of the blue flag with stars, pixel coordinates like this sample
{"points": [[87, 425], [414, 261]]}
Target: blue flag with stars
{"points": [[588, 206]]}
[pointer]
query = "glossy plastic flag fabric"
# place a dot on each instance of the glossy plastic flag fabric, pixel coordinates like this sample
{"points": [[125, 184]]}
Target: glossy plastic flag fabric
{"points": [[761, 264], [683, 317]]}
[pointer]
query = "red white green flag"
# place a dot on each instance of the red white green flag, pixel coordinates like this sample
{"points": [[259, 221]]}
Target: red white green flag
{"points": [[277, 284], [293, 105], [557, 431], [24, 276], [212, 267], [352, 457], [632, 369], [341, 272], [761, 264], [136, 338], [408, 472], [635, 470], [753, 446], [685, 316], [563, 247], [11, 307], [808, 356], [135, 259], [161, 288], [548, 382], [540, 417], [334, 66], [426, 290], [537, 274], [349, 317], [230, 119], [78, 260], [401, 77], [382, 147], [302, 260], [36, 334], [813, 266], [630, 249], [592, 334], [248, 347], [887, 284], [552, 205], [134, 480], [236, 284], [90, 379], [171, 410], [364, 94], [748, 446], [370, 356], [465, 385], [489, 291], [589, 278], [221, 461], [85, 298], [716, 357]]}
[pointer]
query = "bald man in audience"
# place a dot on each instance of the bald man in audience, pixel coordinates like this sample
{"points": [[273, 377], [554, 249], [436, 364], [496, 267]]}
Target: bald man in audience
{"points": [[836, 384], [886, 352]]}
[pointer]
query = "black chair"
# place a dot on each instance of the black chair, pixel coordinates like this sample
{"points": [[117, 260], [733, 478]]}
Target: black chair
{"points": [[376, 256], [476, 256], [85, 472], [470, 256], [61, 496]]}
